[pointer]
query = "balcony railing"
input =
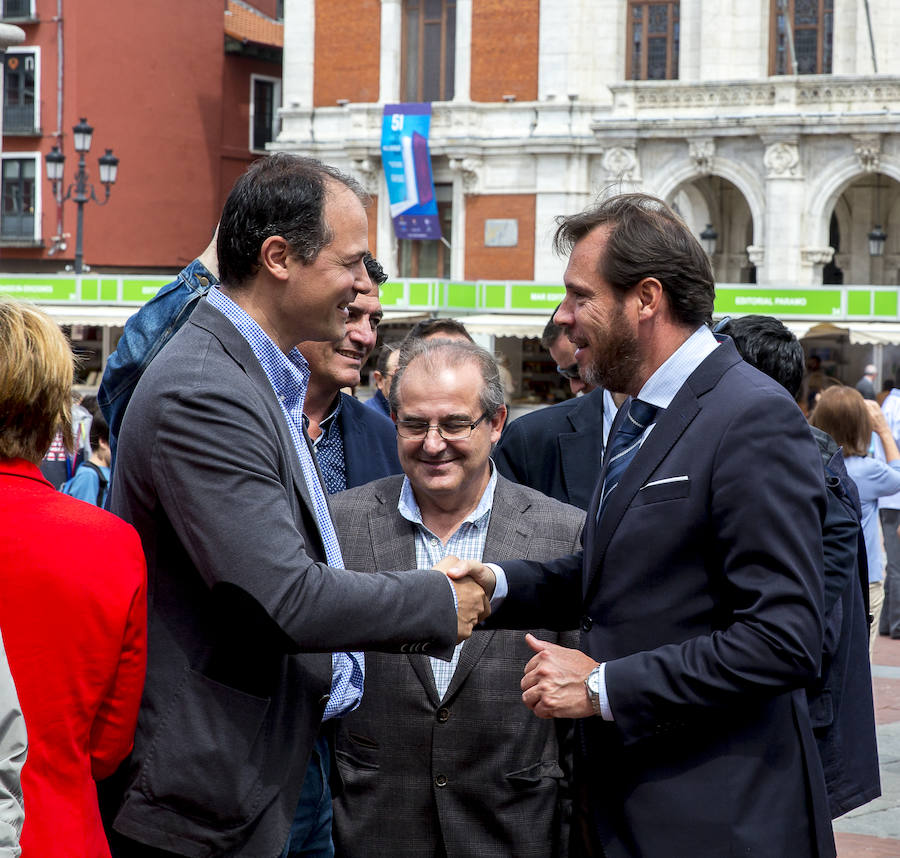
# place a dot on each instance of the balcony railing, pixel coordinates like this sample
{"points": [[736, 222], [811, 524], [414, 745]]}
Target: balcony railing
{"points": [[17, 226], [19, 119]]}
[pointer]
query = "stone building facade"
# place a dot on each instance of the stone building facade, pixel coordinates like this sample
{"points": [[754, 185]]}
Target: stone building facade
{"points": [[775, 124]]}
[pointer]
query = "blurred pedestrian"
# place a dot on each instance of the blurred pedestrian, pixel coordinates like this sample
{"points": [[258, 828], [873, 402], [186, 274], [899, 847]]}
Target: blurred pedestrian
{"points": [[850, 420], [91, 480]]}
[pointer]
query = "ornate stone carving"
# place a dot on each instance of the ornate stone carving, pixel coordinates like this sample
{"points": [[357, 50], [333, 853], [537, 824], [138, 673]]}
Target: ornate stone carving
{"points": [[816, 255], [366, 169], [469, 168], [756, 253], [782, 160], [702, 153], [867, 148], [621, 163]]}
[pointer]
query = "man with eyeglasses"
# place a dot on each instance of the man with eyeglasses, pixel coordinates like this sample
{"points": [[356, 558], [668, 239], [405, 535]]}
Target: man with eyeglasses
{"points": [[558, 450], [447, 752]]}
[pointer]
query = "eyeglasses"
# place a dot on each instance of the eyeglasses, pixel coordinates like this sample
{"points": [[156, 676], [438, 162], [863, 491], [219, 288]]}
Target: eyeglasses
{"points": [[569, 371], [450, 430]]}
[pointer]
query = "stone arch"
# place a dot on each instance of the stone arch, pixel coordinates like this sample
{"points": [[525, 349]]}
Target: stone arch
{"points": [[741, 177], [825, 192]]}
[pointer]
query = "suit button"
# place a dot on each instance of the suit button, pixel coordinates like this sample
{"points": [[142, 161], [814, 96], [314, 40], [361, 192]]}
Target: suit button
{"points": [[440, 780], [586, 624], [443, 714]]}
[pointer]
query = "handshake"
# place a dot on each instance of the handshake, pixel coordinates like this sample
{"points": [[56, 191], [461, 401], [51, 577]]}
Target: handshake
{"points": [[474, 584]]}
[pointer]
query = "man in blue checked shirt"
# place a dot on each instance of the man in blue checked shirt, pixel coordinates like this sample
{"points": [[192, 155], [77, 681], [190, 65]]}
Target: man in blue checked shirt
{"points": [[255, 626]]}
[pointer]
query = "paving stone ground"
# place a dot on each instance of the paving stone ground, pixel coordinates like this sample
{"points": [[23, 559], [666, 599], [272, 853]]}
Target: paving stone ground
{"points": [[873, 831]]}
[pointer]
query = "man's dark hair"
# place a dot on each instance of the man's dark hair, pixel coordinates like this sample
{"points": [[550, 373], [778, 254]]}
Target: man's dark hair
{"points": [[280, 194], [552, 332], [374, 269], [764, 342], [432, 327], [99, 430], [387, 349], [646, 239]]}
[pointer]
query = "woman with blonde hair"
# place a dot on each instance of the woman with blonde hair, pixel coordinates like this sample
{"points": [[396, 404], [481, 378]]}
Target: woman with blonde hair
{"points": [[73, 603], [850, 420]]}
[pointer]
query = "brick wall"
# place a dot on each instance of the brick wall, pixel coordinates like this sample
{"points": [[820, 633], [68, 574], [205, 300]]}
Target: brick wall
{"points": [[505, 49], [499, 263], [348, 45]]}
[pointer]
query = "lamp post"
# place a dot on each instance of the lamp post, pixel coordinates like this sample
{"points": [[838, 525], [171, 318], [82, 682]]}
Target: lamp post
{"points": [[81, 190], [708, 238]]}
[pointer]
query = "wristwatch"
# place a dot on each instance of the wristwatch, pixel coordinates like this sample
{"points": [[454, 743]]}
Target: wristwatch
{"points": [[592, 684]]}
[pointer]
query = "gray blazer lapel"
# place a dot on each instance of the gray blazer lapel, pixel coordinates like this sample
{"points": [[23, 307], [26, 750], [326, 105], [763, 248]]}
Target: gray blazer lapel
{"points": [[507, 539], [210, 319], [394, 547]]}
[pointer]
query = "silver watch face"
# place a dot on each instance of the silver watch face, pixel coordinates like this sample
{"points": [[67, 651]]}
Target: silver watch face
{"points": [[593, 681]]}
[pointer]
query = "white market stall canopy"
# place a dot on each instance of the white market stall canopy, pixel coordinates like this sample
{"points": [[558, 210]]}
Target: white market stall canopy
{"points": [[857, 333]]}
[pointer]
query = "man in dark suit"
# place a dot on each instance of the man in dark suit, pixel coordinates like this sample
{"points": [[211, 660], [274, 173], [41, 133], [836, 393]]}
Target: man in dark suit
{"points": [[840, 699], [699, 590], [353, 444], [445, 760], [253, 619], [558, 450]]}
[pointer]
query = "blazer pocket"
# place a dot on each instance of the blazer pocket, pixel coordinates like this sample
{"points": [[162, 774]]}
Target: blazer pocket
{"points": [[354, 751], [205, 758], [533, 775], [663, 489]]}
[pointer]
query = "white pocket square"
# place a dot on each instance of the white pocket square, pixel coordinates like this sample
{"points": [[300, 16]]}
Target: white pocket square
{"points": [[682, 479]]}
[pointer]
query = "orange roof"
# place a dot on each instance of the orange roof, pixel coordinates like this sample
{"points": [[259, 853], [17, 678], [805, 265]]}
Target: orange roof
{"points": [[246, 24]]}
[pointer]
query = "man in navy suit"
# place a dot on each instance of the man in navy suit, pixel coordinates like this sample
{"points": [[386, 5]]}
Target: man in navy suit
{"points": [[699, 589], [353, 444], [557, 450]]}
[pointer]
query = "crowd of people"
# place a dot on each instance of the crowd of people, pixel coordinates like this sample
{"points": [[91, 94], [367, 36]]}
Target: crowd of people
{"points": [[636, 623]]}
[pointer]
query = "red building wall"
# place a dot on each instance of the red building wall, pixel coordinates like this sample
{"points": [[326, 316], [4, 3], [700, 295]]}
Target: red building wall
{"points": [[499, 263], [155, 83], [505, 56], [348, 45]]}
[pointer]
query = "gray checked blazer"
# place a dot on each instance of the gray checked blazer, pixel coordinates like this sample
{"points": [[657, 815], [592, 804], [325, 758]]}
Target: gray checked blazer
{"points": [[475, 771]]}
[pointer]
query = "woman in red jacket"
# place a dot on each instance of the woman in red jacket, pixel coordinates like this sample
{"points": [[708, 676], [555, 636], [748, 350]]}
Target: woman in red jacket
{"points": [[72, 602]]}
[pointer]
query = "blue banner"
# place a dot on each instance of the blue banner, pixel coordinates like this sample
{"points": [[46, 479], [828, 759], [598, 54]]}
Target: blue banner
{"points": [[407, 168]]}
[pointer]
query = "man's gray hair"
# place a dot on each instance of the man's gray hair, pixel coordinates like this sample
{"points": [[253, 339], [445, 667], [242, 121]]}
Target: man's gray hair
{"points": [[437, 354]]}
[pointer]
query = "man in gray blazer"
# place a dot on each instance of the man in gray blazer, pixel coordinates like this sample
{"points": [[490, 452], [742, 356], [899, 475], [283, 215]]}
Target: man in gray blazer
{"points": [[445, 760], [249, 598]]}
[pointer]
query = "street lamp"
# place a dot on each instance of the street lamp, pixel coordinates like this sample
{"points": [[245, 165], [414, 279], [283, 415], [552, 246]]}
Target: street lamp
{"points": [[877, 238], [81, 190], [708, 239]]}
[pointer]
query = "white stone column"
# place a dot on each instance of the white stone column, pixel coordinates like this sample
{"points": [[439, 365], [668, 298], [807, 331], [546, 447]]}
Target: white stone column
{"points": [[299, 53], [784, 263], [463, 61], [391, 41]]}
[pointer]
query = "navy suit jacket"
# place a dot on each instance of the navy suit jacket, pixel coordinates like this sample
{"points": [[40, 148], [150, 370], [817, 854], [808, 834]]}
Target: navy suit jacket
{"points": [[370, 443], [557, 450], [701, 589]]}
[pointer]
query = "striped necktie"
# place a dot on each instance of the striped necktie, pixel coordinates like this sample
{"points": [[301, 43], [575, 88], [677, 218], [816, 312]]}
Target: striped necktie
{"points": [[624, 444]]}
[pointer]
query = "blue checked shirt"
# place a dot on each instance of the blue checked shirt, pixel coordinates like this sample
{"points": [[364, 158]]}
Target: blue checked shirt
{"points": [[467, 544], [289, 377], [329, 447]]}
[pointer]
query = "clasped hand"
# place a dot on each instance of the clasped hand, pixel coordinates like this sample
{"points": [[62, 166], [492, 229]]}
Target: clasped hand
{"points": [[474, 584]]}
